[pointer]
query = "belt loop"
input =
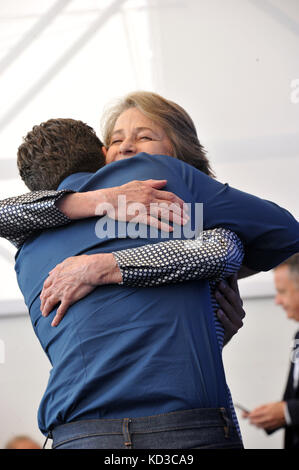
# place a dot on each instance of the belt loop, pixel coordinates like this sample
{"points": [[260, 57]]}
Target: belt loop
{"points": [[126, 433], [49, 436], [226, 421]]}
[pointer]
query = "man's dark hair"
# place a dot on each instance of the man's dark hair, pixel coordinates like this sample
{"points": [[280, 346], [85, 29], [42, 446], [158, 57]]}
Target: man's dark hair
{"points": [[56, 149]]}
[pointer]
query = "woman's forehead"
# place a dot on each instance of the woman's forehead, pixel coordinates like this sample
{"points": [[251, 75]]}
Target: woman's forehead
{"points": [[133, 117]]}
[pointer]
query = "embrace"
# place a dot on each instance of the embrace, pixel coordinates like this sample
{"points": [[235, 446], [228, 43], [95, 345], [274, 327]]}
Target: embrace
{"points": [[134, 326]]}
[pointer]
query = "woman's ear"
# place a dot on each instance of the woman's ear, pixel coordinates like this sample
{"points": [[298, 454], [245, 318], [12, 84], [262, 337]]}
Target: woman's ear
{"points": [[104, 150]]}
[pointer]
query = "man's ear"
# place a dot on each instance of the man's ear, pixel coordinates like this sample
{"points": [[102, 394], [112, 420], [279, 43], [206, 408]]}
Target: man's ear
{"points": [[104, 150]]}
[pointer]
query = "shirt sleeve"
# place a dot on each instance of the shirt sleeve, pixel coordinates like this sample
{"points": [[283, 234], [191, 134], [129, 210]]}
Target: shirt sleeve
{"points": [[215, 254], [22, 216]]}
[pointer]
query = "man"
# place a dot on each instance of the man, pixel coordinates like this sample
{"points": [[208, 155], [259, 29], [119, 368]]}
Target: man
{"points": [[285, 413], [127, 352]]}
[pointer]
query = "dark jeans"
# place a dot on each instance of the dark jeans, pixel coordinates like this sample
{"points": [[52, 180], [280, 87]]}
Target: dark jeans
{"points": [[188, 429]]}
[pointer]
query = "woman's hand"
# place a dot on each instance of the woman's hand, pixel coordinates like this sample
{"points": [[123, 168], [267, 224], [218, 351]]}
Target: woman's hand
{"points": [[231, 312], [75, 278], [145, 201]]}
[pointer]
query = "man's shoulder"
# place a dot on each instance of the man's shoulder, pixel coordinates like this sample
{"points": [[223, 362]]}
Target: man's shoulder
{"points": [[165, 161], [164, 164], [140, 167], [74, 181]]}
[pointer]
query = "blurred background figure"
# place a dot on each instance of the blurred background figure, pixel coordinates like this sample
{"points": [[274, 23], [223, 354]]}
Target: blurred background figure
{"points": [[22, 442], [285, 413]]}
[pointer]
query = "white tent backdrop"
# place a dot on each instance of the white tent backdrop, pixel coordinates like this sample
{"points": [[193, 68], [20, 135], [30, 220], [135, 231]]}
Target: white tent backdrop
{"points": [[233, 66]]}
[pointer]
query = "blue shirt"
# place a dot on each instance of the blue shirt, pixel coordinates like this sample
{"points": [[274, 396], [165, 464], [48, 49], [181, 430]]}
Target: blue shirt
{"points": [[129, 352]]}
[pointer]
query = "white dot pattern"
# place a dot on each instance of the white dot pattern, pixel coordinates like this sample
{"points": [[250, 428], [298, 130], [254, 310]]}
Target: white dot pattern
{"points": [[22, 216], [214, 254]]}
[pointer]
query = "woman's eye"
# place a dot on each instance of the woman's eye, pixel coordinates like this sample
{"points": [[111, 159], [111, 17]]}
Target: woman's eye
{"points": [[145, 137], [116, 141]]}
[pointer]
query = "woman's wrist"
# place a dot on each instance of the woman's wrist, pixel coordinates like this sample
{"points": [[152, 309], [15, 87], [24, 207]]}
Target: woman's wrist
{"points": [[81, 205], [103, 269]]}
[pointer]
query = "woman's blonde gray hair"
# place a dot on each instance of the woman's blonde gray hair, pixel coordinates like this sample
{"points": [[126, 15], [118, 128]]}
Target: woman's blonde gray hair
{"points": [[174, 120]]}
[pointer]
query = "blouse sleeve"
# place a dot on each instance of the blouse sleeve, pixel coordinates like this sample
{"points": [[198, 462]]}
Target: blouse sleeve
{"points": [[215, 254], [22, 216]]}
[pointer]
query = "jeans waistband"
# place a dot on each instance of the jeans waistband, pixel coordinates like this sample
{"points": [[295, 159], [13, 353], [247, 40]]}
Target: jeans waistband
{"points": [[202, 417]]}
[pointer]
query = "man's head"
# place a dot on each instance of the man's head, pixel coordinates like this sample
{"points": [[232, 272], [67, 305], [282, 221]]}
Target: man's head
{"points": [[286, 279], [56, 149]]}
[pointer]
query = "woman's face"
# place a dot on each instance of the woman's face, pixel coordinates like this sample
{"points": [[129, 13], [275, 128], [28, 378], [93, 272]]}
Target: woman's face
{"points": [[134, 133]]}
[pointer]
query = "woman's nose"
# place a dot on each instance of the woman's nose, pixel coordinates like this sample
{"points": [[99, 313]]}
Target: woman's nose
{"points": [[127, 147]]}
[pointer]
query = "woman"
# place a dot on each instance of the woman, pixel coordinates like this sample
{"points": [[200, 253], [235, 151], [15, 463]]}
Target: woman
{"points": [[175, 129]]}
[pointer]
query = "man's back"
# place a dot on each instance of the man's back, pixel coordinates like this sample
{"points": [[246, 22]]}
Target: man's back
{"points": [[123, 351]]}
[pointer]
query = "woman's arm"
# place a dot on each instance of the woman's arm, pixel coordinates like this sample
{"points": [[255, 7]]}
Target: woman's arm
{"points": [[216, 254], [22, 216]]}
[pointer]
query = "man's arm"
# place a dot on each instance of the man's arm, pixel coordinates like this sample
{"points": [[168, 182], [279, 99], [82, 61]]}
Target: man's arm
{"points": [[245, 272], [270, 234], [22, 216], [214, 255]]}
